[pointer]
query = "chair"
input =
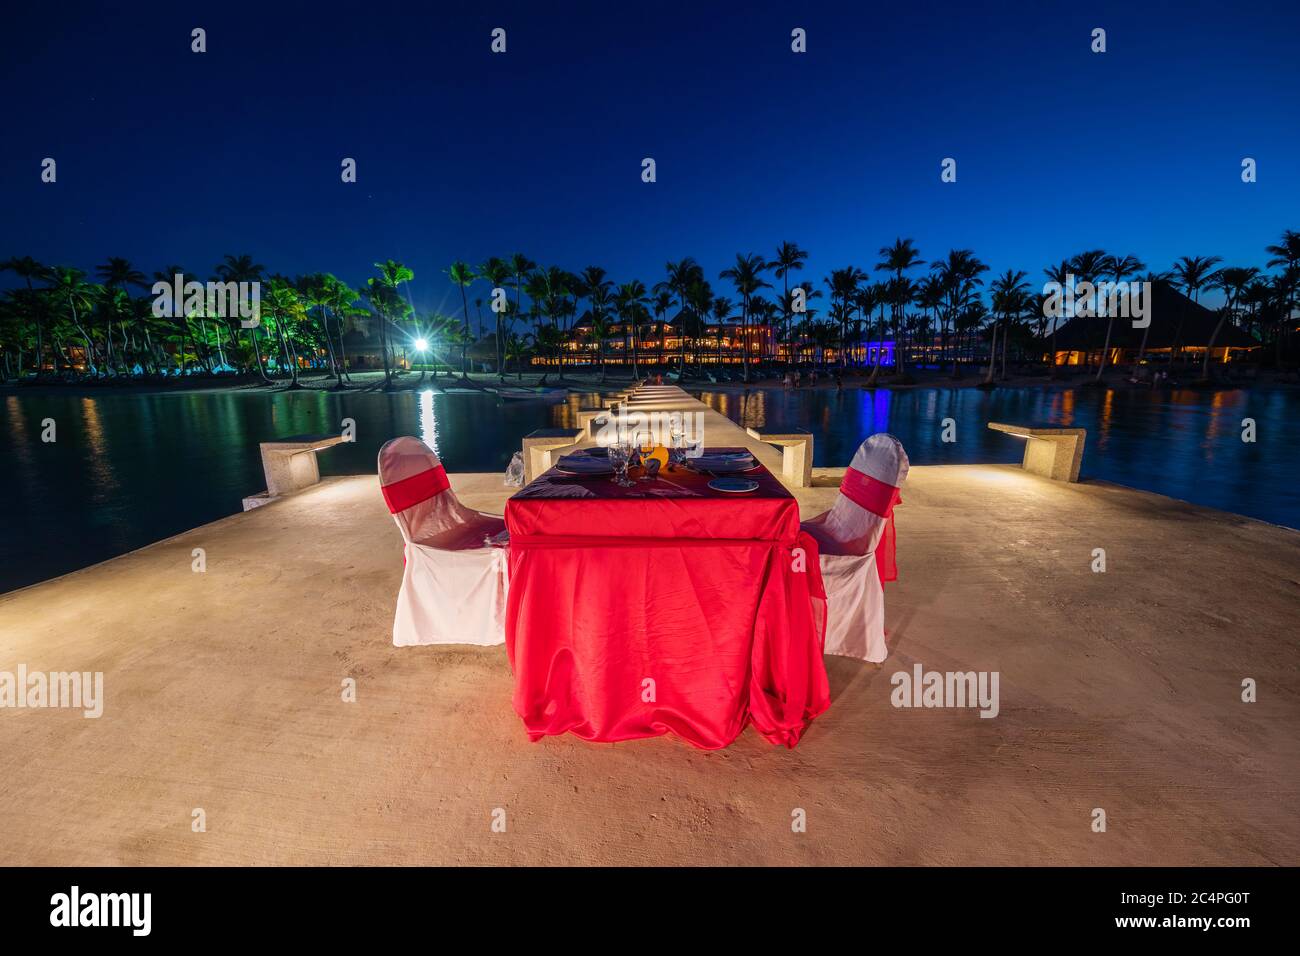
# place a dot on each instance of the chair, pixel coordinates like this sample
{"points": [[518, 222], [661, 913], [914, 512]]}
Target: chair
{"points": [[454, 583], [856, 542]]}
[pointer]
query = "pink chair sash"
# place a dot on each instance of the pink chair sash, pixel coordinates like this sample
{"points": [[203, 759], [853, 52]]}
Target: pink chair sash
{"points": [[874, 495], [421, 486]]}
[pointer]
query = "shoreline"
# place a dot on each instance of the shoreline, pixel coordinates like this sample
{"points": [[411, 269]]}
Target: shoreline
{"points": [[586, 382]]}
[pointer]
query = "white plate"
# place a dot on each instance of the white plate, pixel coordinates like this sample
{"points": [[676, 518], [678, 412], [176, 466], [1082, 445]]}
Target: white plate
{"points": [[734, 485]]}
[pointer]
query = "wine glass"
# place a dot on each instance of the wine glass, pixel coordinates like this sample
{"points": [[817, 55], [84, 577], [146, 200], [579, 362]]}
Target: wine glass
{"points": [[645, 444], [676, 435], [620, 452]]}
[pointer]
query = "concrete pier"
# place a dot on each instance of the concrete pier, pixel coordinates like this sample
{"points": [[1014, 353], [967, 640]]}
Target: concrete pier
{"points": [[1119, 690]]}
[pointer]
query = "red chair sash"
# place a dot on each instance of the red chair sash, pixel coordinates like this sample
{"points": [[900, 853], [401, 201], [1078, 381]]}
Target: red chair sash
{"points": [[408, 492], [879, 498]]}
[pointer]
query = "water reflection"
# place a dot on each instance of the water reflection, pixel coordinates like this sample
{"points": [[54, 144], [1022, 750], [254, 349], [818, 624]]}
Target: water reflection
{"points": [[429, 421], [131, 469], [128, 470], [1185, 444]]}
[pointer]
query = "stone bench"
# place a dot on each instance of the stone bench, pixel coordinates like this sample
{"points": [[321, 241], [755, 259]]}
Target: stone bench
{"points": [[590, 421], [796, 454], [1054, 453], [539, 448], [290, 465]]}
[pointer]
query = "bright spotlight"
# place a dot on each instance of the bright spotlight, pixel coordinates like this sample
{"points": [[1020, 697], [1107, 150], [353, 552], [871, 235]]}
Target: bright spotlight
{"points": [[421, 345]]}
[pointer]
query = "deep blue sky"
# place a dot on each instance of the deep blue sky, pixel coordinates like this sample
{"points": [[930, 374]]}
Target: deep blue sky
{"points": [[164, 155]]}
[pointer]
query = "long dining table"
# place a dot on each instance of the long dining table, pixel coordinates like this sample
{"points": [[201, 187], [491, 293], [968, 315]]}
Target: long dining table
{"points": [[664, 607]]}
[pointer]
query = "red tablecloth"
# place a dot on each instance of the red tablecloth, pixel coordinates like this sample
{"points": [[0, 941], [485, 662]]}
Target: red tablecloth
{"points": [[669, 607]]}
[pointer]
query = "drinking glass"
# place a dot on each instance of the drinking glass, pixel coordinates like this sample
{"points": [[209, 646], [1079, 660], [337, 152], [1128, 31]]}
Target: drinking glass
{"points": [[645, 444], [620, 452], [677, 435]]}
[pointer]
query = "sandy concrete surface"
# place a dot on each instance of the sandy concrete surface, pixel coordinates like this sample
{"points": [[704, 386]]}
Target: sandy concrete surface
{"points": [[1119, 690]]}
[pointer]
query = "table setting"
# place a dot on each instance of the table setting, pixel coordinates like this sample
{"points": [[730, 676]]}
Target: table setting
{"points": [[654, 593]]}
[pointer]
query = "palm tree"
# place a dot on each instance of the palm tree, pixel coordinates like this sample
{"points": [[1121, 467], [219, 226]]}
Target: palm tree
{"points": [[521, 267], [599, 331], [631, 302], [1059, 274], [1008, 294], [843, 287], [1192, 273], [866, 301], [237, 269], [699, 299], [959, 274], [722, 307], [317, 293], [28, 269], [662, 302], [68, 285], [898, 258], [681, 276], [746, 276], [789, 258], [462, 275], [516, 350], [388, 304], [1232, 280], [1286, 256], [1089, 266], [497, 272], [117, 273], [929, 296], [342, 301], [1120, 269], [285, 306]]}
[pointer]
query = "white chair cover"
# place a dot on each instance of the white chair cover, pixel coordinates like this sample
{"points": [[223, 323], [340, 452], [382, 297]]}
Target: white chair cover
{"points": [[847, 536], [454, 583]]}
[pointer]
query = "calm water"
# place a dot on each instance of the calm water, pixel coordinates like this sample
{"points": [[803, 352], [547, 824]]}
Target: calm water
{"points": [[1184, 444], [128, 470]]}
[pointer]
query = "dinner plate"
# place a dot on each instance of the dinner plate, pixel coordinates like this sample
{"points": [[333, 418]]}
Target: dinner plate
{"points": [[583, 465], [724, 463], [734, 485]]}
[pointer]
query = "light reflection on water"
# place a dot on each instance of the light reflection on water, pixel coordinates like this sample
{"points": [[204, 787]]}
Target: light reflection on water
{"points": [[128, 470], [1183, 443]]}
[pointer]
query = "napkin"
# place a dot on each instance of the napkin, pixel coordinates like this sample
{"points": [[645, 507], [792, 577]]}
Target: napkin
{"points": [[584, 464]]}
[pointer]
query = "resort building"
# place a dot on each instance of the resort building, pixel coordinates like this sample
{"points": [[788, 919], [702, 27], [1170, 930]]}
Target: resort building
{"points": [[661, 342], [1179, 328]]}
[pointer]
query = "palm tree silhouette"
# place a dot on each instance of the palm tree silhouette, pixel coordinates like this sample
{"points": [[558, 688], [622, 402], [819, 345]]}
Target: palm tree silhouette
{"points": [[1286, 255], [898, 258], [1008, 293], [1232, 280], [789, 258], [746, 276], [631, 302], [1192, 273], [462, 275], [28, 269], [385, 298], [1120, 270], [497, 272]]}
